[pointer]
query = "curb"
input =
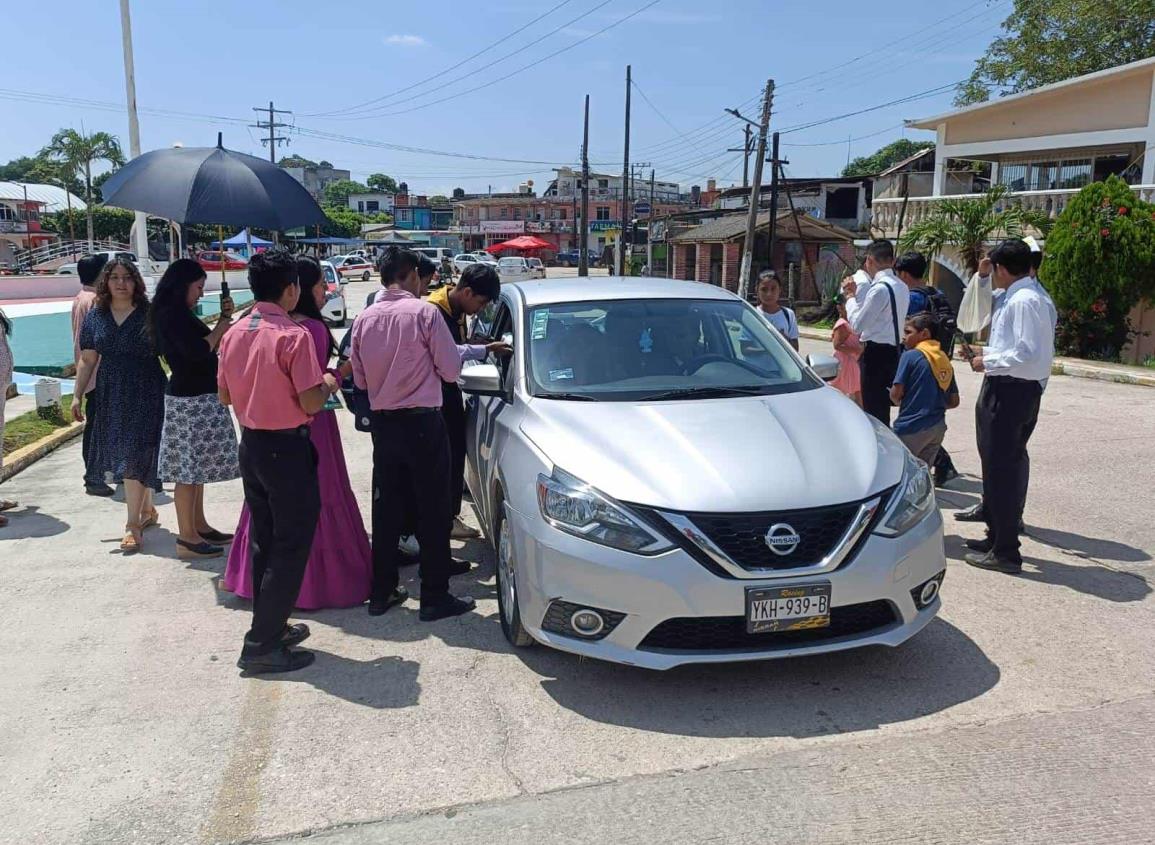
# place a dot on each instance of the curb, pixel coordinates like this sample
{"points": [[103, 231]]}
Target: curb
{"points": [[1073, 367], [25, 457]]}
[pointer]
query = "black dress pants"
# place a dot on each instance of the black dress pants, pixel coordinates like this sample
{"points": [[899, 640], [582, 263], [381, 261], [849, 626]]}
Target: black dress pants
{"points": [[453, 411], [1005, 418], [91, 476], [411, 468], [879, 363], [279, 473]]}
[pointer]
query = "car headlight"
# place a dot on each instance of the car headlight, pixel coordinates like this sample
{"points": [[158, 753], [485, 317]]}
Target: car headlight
{"points": [[911, 501], [571, 505]]}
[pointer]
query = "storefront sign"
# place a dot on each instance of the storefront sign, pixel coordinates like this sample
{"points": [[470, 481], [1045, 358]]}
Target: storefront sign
{"points": [[502, 226], [604, 225]]}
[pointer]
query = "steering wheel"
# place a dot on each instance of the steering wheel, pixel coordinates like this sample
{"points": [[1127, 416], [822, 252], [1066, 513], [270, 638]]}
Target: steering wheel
{"points": [[694, 364]]}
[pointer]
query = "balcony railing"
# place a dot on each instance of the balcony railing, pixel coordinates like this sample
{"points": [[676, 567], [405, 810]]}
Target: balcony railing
{"points": [[885, 212]]}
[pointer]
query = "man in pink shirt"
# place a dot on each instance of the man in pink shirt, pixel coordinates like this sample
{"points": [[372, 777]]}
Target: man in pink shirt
{"points": [[88, 268], [401, 351], [268, 372]]}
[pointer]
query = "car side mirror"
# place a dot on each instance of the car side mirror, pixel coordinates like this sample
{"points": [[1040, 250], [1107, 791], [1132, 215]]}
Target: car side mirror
{"points": [[824, 366], [482, 380]]}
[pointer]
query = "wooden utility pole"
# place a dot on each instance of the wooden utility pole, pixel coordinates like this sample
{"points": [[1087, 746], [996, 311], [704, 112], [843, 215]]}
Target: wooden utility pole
{"points": [[650, 228], [773, 196], [625, 207], [746, 148], [583, 236], [755, 192], [798, 225], [272, 124]]}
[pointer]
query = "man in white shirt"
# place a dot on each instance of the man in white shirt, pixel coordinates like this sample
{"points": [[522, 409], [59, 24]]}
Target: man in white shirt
{"points": [[1016, 363], [877, 313]]}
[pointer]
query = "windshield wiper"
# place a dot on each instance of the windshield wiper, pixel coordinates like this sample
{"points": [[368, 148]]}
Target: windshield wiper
{"points": [[573, 397], [705, 393]]}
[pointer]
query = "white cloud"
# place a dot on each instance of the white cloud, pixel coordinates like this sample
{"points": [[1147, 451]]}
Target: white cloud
{"points": [[406, 40]]}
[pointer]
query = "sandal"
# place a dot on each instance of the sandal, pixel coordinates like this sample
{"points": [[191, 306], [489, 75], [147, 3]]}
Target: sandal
{"points": [[196, 551], [149, 519], [3, 522], [130, 545], [8, 504]]}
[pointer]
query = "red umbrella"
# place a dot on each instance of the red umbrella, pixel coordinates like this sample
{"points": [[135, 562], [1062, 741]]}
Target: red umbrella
{"points": [[526, 243]]}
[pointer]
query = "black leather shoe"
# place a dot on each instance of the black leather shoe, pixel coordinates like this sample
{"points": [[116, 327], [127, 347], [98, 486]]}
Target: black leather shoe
{"points": [[445, 607], [218, 537], [278, 660], [295, 634], [378, 605], [941, 479], [459, 567], [971, 514], [993, 563], [98, 490], [983, 546]]}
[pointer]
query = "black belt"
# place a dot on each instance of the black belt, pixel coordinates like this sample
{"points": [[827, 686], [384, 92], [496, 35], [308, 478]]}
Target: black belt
{"points": [[997, 380], [408, 412], [299, 431]]}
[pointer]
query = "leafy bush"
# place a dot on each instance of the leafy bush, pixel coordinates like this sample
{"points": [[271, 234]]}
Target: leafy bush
{"points": [[1100, 263]]}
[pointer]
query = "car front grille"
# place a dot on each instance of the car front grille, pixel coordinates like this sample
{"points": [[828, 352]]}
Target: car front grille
{"points": [[728, 633], [743, 536]]}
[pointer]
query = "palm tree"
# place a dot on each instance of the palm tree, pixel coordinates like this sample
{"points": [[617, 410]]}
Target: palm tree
{"points": [[970, 224], [77, 152]]}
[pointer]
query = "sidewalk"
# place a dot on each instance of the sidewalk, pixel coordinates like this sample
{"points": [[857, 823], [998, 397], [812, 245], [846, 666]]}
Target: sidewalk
{"points": [[1098, 370]]}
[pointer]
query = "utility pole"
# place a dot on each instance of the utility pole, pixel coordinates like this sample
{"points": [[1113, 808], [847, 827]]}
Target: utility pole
{"points": [[774, 164], [584, 234], [746, 148], [140, 224], [272, 124], [755, 189], [650, 228], [625, 208]]}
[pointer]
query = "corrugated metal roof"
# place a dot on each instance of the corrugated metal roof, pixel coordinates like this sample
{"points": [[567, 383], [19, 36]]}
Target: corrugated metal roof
{"points": [[734, 226], [54, 198]]}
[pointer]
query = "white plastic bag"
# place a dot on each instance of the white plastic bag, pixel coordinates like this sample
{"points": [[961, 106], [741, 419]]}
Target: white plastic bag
{"points": [[974, 312]]}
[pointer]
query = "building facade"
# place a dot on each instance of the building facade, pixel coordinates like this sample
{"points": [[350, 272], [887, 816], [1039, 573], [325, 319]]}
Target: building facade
{"points": [[371, 203], [315, 178]]}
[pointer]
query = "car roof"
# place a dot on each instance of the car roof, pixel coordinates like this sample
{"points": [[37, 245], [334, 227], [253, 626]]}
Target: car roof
{"points": [[592, 288]]}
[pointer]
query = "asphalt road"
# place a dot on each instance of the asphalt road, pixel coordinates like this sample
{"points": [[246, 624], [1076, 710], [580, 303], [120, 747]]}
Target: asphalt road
{"points": [[1022, 715]]}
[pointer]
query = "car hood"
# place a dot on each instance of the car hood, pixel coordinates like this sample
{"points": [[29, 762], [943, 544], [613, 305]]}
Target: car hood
{"points": [[743, 454]]}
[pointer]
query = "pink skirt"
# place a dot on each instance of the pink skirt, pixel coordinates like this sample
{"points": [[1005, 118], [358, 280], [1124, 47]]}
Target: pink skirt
{"points": [[340, 568], [849, 379]]}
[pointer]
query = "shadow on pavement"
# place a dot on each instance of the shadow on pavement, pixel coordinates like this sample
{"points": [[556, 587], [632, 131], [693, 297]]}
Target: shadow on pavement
{"points": [[1089, 546], [1088, 577], [799, 697], [28, 522], [384, 683]]}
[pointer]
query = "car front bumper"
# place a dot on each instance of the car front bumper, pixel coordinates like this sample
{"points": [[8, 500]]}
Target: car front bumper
{"points": [[553, 565]]}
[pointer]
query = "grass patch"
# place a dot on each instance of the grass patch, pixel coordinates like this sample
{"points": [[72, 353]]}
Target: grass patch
{"points": [[827, 323], [30, 427]]}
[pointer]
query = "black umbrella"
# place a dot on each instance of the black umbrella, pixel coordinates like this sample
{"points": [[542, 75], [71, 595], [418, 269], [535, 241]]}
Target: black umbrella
{"points": [[212, 185]]}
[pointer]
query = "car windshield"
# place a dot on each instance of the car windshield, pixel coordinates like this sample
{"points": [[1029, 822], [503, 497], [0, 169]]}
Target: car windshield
{"points": [[638, 350]]}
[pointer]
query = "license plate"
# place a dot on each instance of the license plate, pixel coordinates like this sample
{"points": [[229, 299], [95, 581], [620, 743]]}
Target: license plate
{"points": [[787, 608]]}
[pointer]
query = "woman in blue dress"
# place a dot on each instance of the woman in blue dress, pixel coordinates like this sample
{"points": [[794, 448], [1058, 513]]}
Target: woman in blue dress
{"points": [[130, 387]]}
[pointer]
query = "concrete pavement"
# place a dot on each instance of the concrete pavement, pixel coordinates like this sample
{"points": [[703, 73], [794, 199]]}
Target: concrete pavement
{"points": [[1022, 715]]}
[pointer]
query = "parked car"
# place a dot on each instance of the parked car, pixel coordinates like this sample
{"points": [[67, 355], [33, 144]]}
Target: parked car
{"points": [[463, 260], [331, 276], [333, 311], [211, 260], [70, 268], [514, 270], [434, 253], [352, 265], [536, 267], [652, 466], [485, 257], [572, 257]]}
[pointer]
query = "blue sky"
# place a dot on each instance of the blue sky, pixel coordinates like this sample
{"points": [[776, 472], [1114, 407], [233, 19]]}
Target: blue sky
{"points": [[213, 60]]}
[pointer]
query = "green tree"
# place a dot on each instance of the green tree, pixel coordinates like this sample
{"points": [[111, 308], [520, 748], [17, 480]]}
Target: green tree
{"points": [[78, 152], [296, 161], [107, 223], [970, 224], [382, 183], [1045, 42], [337, 193], [1100, 264], [891, 154]]}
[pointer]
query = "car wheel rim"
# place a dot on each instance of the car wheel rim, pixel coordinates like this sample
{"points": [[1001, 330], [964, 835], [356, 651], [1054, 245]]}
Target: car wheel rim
{"points": [[508, 585]]}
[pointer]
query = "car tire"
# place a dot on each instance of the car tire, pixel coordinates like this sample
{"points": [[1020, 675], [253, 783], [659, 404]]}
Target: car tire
{"points": [[508, 606], [365, 276]]}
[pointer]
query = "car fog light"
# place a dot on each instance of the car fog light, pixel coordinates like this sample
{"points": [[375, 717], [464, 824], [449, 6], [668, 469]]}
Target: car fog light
{"points": [[925, 594], [588, 623]]}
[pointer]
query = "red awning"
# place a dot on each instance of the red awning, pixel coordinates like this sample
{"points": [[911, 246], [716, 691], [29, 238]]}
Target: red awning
{"points": [[525, 243]]}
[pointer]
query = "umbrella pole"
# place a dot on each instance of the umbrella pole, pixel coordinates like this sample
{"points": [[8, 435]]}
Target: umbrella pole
{"points": [[221, 247]]}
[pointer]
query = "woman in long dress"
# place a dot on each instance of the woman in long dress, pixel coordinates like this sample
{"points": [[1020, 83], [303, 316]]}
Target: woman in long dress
{"points": [[130, 387], [340, 570]]}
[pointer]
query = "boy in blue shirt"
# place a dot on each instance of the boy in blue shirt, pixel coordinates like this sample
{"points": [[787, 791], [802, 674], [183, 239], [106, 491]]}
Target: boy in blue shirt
{"points": [[924, 389]]}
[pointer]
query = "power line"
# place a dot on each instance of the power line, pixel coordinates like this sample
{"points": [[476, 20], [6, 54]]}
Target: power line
{"points": [[921, 95], [441, 73]]}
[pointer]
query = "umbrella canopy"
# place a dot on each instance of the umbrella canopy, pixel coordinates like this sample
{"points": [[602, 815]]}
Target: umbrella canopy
{"points": [[241, 239], [526, 243], [212, 185]]}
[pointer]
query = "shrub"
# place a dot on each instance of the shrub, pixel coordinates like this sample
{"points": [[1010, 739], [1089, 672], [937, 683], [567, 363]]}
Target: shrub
{"points": [[1100, 263]]}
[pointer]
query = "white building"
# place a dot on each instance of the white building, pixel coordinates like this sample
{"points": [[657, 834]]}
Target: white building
{"points": [[371, 203], [568, 185]]}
